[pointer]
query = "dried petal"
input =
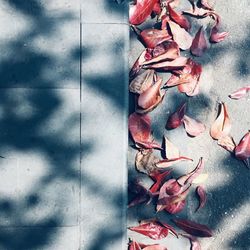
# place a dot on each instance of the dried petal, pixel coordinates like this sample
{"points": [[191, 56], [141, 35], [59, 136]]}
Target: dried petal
{"points": [[195, 244], [192, 126], [171, 151], [188, 178], [178, 63], [215, 36], [175, 208], [142, 82], [202, 197], [152, 228], [242, 151], [193, 228], [170, 162], [179, 18], [151, 97], [240, 93], [176, 119], [133, 245], [180, 36], [139, 12], [159, 178], [137, 65], [152, 37], [205, 4], [199, 44], [227, 142], [222, 125], [145, 161]]}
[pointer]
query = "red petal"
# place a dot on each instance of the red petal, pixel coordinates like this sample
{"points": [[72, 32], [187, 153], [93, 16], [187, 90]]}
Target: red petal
{"points": [[150, 98], [133, 245], [188, 178], [205, 4], [175, 207], [193, 228], [152, 37], [215, 36], [195, 244], [153, 229], [222, 125], [176, 119], [170, 162], [178, 18], [139, 12], [155, 247], [199, 44], [242, 151], [137, 65], [157, 8], [192, 126], [180, 36], [158, 177], [239, 93], [139, 127], [202, 197]]}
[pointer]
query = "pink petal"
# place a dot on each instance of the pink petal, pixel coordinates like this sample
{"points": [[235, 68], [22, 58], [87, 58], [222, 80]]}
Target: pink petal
{"points": [[240, 93], [192, 126], [199, 44]]}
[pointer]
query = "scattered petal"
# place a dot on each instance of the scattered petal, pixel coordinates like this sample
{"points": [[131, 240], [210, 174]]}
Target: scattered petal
{"points": [[195, 244], [205, 4], [176, 119], [193, 228], [175, 208], [133, 245], [222, 125], [199, 44], [139, 12], [192, 126], [227, 143], [178, 18], [171, 151], [180, 36], [240, 93], [137, 65], [155, 247], [242, 150], [202, 197], [170, 162]]}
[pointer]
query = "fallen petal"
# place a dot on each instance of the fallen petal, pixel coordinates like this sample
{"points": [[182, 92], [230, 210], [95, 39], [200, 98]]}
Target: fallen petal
{"points": [[192, 126], [202, 197], [176, 118], [193, 228], [195, 244], [242, 150], [227, 142], [240, 93], [133, 245], [170, 162], [171, 151], [175, 208], [199, 44]]}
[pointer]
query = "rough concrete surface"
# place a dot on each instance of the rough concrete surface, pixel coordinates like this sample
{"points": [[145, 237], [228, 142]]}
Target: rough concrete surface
{"points": [[225, 69]]}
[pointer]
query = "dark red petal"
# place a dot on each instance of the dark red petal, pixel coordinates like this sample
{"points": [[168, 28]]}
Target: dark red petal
{"points": [[175, 207], [179, 18], [139, 12], [176, 119], [199, 44], [202, 197], [242, 151], [193, 228]]}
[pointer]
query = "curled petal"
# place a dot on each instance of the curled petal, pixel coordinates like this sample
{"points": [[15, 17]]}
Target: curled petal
{"points": [[215, 36], [176, 119], [188, 178], [152, 37], [242, 150], [227, 142], [170, 162], [192, 126], [133, 245], [222, 125], [240, 93], [205, 4], [137, 65], [175, 208], [202, 197], [199, 44], [178, 18], [171, 151], [139, 12], [193, 228], [180, 36], [142, 82]]}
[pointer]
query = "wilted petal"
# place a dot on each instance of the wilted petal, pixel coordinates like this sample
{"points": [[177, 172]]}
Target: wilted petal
{"points": [[176, 119], [188, 178], [240, 93], [175, 208], [133, 245], [142, 82], [227, 142], [199, 44], [222, 125], [180, 36], [193, 228], [242, 151], [205, 4], [152, 37], [139, 12], [151, 97], [192, 126], [202, 197], [216, 36], [178, 18], [170, 162], [137, 65], [171, 151]]}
